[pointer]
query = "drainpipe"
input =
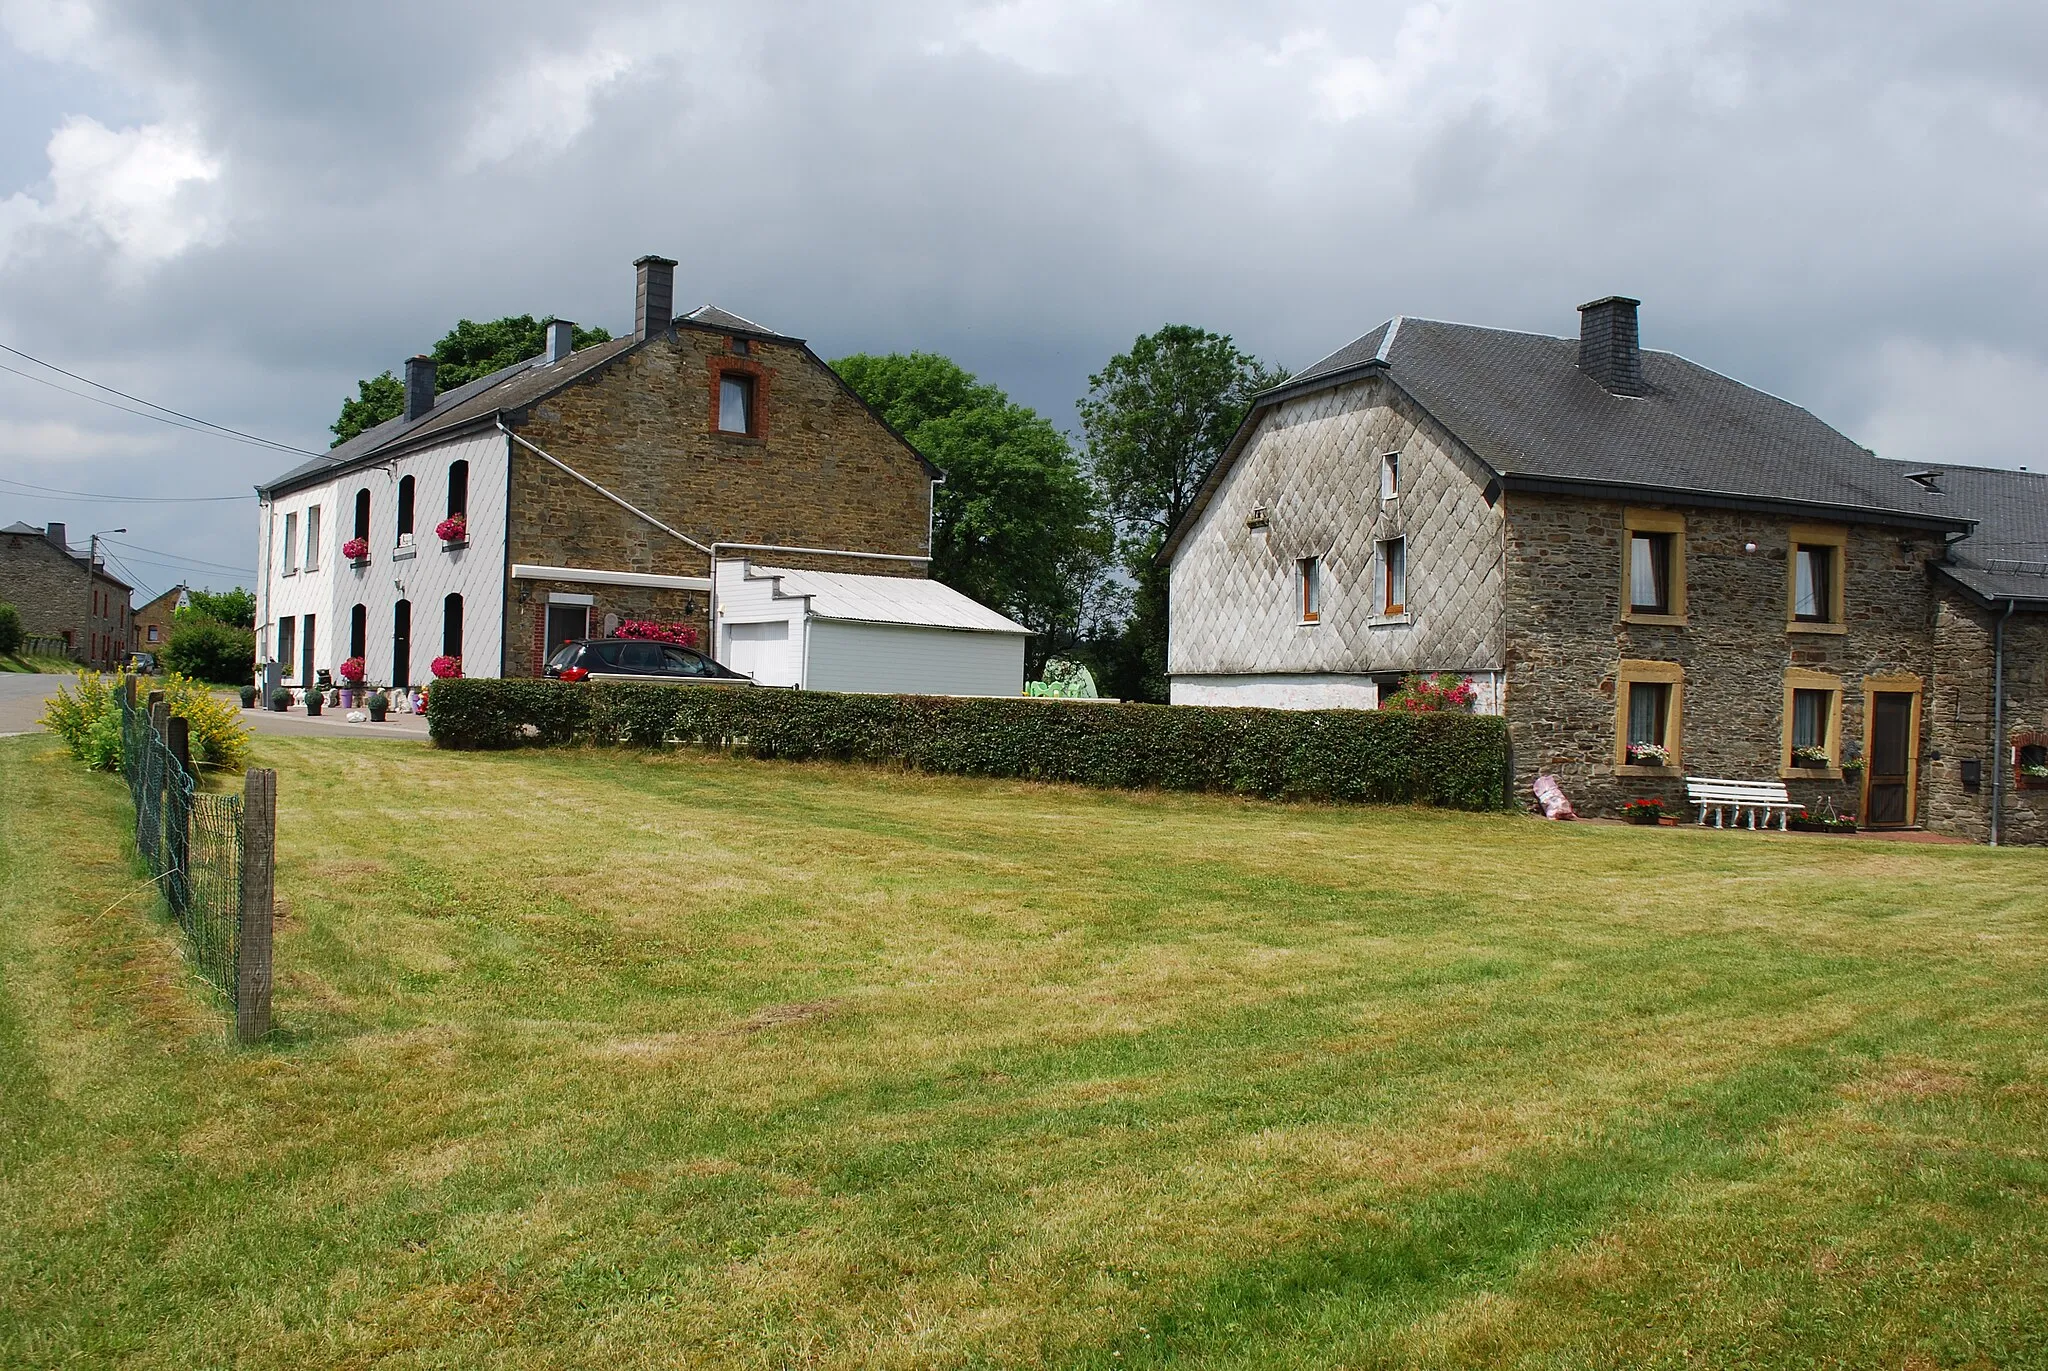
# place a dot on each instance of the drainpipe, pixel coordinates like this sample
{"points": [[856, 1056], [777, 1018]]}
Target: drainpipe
{"points": [[1998, 742]]}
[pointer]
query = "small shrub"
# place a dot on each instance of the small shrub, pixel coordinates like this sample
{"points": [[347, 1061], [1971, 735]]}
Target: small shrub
{"points": [[1443, 693], [80, 715], [101, 749], [1449, 759], [11, 631], [209, 650]]}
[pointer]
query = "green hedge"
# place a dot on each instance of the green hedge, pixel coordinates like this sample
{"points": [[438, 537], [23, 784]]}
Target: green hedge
{"points": [[1455, 760]]}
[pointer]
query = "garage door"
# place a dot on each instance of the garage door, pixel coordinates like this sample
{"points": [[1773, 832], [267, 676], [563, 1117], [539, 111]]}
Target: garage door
{"points": [[762, 651]]}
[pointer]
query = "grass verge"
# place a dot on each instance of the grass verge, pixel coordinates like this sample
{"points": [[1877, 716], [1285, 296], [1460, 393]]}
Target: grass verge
{"points": [[662, 1060]]}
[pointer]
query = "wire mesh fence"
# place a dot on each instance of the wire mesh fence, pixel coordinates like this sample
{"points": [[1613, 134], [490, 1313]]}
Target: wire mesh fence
{"points": [[194, 846]]}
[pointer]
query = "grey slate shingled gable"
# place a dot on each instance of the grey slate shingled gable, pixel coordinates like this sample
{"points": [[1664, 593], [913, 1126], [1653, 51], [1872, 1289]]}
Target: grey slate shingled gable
{"points": [[2006, 555], [1520, 403]]}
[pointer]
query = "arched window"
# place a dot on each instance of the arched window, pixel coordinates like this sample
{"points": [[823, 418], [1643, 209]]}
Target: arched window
{"points": [[405, 488], [363, 514], [358, 631], [401, 643], [451, 626], [458, 488]]}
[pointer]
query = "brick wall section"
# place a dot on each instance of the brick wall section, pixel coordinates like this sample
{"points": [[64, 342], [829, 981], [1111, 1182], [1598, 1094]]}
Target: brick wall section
{"points": [[49, 589], [825, 473], [1960, 710], [1566, 639]]}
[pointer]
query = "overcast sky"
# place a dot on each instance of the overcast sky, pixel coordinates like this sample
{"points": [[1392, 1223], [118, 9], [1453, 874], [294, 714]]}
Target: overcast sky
{"points": [[238, 209]]}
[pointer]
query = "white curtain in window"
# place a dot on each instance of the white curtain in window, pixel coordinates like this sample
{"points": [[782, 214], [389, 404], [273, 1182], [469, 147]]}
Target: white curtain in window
{"points": [[733, 394]]}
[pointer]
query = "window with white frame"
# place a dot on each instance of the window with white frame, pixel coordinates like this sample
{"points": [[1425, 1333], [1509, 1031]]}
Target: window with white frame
{"points": [[1390, 476], [313, 538], [291, 544]]}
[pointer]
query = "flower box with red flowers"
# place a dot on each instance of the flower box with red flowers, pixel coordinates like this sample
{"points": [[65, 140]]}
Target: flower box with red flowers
{"points": [[453, 531], [1646, 812], [357, 550]]}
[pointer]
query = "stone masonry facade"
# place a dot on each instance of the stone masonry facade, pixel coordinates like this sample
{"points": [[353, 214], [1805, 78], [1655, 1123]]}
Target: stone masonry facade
{"points": [[48, 586], [1568, 642], [817, 470], [1960, 713]]}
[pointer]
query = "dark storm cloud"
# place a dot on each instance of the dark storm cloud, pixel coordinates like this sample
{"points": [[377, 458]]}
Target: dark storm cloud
{"points": [[245, 208]]}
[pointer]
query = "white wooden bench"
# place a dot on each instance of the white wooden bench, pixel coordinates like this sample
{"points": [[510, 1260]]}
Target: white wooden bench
{"points": [[1750, 797]]}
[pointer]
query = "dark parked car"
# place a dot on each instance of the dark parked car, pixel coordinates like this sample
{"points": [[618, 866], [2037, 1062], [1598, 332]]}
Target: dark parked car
{"points": [[611, 659], [141, 663]]}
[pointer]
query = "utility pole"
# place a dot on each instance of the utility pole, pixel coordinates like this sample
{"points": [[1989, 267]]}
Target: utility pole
{"points": [[92, 561]]}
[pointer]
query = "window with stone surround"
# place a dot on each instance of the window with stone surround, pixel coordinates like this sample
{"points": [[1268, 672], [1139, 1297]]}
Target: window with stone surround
{"points": [[1812, 736], [1649, 717], [1653, 567], [1815, 601]]}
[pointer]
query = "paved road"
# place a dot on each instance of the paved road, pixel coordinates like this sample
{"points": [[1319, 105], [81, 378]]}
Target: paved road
{"points": [[22, 697]]}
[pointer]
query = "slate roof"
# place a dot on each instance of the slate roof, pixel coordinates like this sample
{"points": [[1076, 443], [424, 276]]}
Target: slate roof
{"points": [[2006, 556], [19, 527], [514, 387], [1521, 404]]}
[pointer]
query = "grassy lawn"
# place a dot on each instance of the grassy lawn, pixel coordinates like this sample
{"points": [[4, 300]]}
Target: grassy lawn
{"points": [[598, 1059], [62, 666]]}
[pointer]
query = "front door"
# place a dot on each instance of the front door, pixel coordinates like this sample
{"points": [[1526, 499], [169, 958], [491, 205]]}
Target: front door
{"points": [[1889, 801], [565, 624]]}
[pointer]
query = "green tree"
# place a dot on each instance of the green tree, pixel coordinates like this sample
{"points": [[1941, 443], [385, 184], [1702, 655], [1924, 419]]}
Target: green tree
{"points": [[1157, 418], [1014, 526], [208, 650], [11, 632], [235, 608], [465, 352]]}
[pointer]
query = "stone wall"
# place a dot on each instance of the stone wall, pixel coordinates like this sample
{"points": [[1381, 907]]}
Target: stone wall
{"points": [[819, 471], [1960, 711], [49, 589], [1313, 468], [1567, 640]]}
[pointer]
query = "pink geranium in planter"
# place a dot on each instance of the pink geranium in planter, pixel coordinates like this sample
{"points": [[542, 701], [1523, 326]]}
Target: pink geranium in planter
{"points": [[453, 529], [445, 668], [352, 671], [356, 549]]}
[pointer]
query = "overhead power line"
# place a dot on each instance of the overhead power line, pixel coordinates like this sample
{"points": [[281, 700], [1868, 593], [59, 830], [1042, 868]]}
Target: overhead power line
{"points": [[126, 499], [190, 419], [174, 557]]}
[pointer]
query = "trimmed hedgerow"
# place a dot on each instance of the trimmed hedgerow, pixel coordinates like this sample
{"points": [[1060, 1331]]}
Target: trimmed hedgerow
{"points": [[1453, 760]]}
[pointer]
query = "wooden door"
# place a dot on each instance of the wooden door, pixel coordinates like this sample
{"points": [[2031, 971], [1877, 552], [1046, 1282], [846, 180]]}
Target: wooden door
{"points": [[1888, 798]]}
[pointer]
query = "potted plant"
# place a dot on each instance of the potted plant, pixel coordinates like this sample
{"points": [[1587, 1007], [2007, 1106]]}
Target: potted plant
{"points": [[248, 697], [313, 702], [357, 550], [1827, 821], [1648, 754], [453, 531], [1812, 758], [1647, 812], [280, 700], [351, 681], [380, 704]]}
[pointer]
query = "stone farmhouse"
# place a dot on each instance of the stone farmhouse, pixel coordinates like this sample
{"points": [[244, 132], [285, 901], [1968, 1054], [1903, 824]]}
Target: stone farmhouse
{"points": [[153, 621], [561, 496], [1653, 570], [65, 595]]}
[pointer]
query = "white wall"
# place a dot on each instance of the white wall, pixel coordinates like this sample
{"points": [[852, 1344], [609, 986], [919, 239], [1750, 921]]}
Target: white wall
{"points": [[896, 658], [1279, 691], [425, 572]]}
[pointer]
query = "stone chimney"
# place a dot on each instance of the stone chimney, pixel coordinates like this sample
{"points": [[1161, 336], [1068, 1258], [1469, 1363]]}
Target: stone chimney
{"points": [[1610, 348], [654, 299], [561, 339], [419, 387]]}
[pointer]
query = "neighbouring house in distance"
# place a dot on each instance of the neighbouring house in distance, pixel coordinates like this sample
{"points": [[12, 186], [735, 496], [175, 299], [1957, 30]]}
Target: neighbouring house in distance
{"points": [[62, 595], [562, 495], [152, 628], [1653, 570]]}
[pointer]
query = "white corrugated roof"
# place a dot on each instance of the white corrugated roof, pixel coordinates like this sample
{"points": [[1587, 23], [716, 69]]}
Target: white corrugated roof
{"points": [[887, 600]]}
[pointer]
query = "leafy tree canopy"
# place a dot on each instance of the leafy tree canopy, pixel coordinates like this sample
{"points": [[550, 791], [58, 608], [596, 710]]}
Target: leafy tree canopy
{"points": [[1157, 418], [1014, 524], [465, 352], [11, 632], [236, 608]]}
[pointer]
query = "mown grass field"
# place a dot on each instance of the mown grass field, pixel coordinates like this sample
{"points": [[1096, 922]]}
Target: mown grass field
{"points": [[609, 1060]]}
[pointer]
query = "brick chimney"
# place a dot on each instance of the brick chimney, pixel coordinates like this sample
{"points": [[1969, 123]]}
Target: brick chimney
{"points": [[419, 387], [654, 298], [561, 339], [1610, 348]]}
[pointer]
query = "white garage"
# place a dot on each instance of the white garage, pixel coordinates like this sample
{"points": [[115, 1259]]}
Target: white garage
{"points": [[829, 630]]}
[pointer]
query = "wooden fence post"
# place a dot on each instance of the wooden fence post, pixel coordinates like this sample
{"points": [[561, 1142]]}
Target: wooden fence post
{"points": [[128, 690], [181, 744], [252, 947]]}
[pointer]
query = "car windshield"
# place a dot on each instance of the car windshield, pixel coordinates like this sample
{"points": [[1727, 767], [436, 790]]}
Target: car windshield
{"points": [[565, 655]]}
